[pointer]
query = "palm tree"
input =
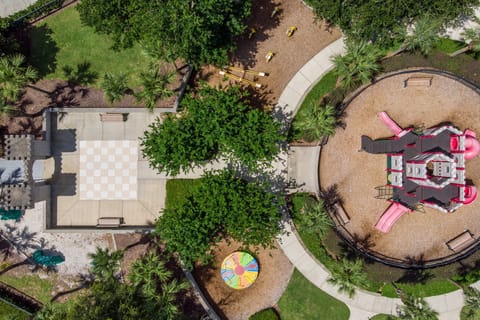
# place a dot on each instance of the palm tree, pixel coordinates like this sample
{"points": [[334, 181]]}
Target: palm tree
{"points": [[317, 122], [471, 37], [155, 87], [13, 78], [348, 274], [315, 219], [148, 271], [151, 275], [358, 65], [105, 264], [114, 86], [415, 308], [425, 33], [472, 304]]}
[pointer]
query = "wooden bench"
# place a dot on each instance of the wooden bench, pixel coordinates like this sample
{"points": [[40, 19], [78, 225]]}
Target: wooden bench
{"points": [[110, 116], [418, 81], [461, 241], [340, 213], [109, 222]]}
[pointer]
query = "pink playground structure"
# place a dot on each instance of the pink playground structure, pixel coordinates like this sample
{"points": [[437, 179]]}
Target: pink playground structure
{"points": [[426, 168], [389, 217]]}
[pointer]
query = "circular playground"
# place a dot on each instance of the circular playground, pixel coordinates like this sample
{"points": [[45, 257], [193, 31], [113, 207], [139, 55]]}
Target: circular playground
{"points": [[406, 167]]}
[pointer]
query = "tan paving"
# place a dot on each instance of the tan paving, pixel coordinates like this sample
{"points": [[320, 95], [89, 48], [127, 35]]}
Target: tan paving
{"points": [[70, 208], [357, 173]]}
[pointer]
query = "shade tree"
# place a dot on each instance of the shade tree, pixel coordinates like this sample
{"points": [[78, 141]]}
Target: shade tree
{"points": [[200, 31], [221, 206], [216, 122]]}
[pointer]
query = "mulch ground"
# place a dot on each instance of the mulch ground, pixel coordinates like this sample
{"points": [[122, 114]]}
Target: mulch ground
{"points": [[415, 235], [290, 53], [275, 271]]}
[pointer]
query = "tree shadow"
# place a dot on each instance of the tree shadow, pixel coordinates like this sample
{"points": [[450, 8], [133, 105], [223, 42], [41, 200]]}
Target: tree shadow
{"points": [[331, 196], [262, 21], [416, 274], [42, 50], [81, 74]]}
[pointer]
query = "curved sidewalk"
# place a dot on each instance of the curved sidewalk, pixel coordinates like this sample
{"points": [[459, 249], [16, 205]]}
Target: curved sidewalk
{"points": [[364, 304]]}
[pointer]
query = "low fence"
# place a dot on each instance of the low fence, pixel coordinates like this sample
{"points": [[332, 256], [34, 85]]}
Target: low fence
{"points": [[350, 240]]}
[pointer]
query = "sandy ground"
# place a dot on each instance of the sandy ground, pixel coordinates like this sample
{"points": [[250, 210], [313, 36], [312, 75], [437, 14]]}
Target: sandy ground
{"points": [[358, 173], [290, 54], [75, 247], [273, 278]]}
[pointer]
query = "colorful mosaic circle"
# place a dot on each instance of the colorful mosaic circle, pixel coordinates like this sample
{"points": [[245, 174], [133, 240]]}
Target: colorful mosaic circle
{"points": [[239, 270]]}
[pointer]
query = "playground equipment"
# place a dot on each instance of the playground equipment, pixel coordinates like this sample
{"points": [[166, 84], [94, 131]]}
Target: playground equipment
{"points": [[241, 74], [252, 32], [239, 270], [275, 11], [269, 56], [390, 216], [291, 31], [40, 257], [424, 168]]}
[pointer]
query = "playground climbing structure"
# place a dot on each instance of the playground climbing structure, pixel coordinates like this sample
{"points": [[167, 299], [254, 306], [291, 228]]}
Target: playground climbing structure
{"points": [[424, 168]]}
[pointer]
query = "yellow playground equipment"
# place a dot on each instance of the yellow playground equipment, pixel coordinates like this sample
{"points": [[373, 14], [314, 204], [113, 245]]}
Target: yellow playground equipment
{"points": [[269, 56], [291, 31], [229, 71]]}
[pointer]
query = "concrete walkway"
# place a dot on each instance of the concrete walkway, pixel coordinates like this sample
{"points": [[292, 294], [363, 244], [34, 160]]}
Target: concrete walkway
{"points": [[303, 168], [8, 7]]}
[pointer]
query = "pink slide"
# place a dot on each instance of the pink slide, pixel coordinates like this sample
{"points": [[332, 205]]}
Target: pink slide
{"points": [[472, 147], [392, 125], [470, 194], [390, 216]]}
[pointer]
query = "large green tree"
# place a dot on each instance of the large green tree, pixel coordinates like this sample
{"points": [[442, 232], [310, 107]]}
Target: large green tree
{"points": [[215, 122], [222, 205], [373, 20], [198, 31]]}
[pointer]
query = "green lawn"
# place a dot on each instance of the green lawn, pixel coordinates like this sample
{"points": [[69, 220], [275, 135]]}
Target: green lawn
{"points": [[303, 301], [63, 41], [32, 285], [178, 190], [8, 312]]}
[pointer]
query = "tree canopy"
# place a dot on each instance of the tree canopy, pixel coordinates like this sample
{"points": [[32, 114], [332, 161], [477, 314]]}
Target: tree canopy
{"points": [[199, 31], [371, 20], [222, 205], [215, 122], [151, 294]]}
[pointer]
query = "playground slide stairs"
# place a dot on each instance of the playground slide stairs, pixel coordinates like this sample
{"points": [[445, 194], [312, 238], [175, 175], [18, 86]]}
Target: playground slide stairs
{"points": [[390, 216]]}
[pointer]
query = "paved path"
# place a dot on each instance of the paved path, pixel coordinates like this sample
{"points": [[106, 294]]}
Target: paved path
{"points": [[303, 167], [8, 7]]}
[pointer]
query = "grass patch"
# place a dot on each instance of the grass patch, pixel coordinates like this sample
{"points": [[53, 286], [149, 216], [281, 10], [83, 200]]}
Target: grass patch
{"points": [[61, 40], [267, 314], [32, 285], [302, 300], [324, 86], [178, 190], [7, 312], [446, 45], [430, 288]]}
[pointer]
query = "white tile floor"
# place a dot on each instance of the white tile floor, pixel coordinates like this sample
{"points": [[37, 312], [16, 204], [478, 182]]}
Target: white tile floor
{"points": [[108, 170]]}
